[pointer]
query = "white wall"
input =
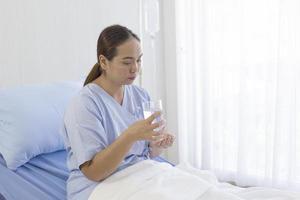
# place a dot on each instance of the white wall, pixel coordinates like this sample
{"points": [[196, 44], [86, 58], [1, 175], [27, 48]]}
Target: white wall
{"points": [[50, 40], [53, 40]]}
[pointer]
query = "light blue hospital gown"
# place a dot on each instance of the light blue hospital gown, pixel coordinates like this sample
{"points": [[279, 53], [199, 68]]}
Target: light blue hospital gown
{"points": [[92, 121]]}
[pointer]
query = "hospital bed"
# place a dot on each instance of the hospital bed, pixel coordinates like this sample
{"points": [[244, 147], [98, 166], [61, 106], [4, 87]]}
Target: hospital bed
{"points": [[30, 119]]}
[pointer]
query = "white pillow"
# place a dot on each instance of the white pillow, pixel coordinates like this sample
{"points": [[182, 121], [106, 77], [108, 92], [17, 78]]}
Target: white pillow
{"points": [[30, 120]]}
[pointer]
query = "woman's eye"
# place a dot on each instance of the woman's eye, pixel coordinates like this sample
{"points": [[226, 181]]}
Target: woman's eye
{"points": [[130, 63]]}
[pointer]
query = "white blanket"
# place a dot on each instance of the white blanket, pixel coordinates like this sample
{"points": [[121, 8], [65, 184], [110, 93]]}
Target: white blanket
{"points": [[151, 180]]}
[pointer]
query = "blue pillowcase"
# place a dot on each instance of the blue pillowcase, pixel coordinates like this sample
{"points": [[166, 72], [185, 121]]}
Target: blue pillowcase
{"points": [[31, 118]]}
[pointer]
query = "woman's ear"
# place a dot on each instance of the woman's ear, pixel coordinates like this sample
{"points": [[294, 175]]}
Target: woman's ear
{"points": [[103, 62]]}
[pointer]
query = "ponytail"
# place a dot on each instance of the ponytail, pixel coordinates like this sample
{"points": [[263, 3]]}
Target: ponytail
{"points": [[94, 73]]}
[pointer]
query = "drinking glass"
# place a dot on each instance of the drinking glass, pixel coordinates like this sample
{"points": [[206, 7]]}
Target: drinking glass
{"points": [[149, 107]]}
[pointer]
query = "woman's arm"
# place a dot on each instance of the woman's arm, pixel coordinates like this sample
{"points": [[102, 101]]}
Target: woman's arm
{"points": [[105, 162]]}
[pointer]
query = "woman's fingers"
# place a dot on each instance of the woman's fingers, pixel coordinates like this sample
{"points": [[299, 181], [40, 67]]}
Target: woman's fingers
{"points": [[162, 126], [168, 141], [153, 116], [171, 139], [156, 125], [161, 143], [157, 137], [153, 126], [160, 139], [154, 136]]}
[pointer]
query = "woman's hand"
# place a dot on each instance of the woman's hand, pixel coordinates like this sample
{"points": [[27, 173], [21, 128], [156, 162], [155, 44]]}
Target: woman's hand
{"points": [[166, 141], [157, 147], [144, 129]]}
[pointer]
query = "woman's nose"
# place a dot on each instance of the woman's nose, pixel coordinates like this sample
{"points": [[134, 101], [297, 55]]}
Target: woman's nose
{"points": [[135, 67]]}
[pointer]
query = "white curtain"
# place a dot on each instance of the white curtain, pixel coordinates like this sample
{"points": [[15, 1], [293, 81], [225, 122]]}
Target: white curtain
{"points": [[238, 64]]}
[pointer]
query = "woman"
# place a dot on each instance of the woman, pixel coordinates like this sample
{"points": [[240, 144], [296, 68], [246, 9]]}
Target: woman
{"points": [[103, 126]]}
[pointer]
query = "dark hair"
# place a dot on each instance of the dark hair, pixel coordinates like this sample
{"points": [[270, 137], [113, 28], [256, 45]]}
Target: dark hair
{"points": [[109, 39]]}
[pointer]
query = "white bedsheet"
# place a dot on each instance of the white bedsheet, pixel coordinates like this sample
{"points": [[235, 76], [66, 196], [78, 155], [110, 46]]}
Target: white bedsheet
{"points": [[151, 180]]}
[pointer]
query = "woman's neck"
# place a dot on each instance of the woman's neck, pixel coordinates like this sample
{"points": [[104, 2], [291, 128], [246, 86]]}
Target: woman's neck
{"points": [[116, 91]]}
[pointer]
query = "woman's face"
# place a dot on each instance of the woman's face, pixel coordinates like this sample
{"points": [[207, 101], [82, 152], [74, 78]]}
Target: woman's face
{"points": [[124, 67]]}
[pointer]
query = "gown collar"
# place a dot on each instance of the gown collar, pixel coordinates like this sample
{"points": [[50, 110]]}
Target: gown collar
{"points": [[126, 102]]}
